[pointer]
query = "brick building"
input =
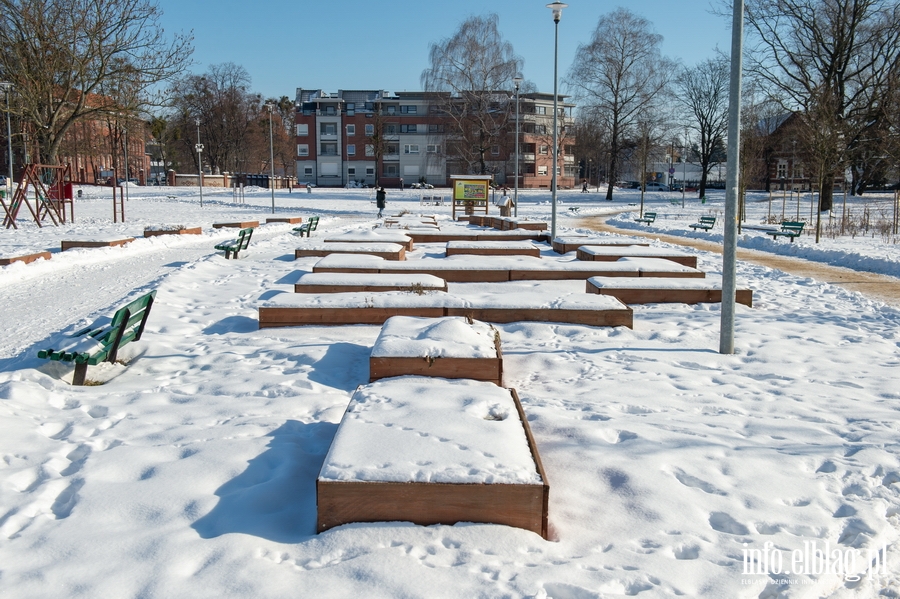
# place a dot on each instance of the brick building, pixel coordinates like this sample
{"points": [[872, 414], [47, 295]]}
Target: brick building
{"points": [[364, 136]]}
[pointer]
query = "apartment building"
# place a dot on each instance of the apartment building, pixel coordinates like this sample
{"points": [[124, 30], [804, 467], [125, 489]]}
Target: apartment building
{"points": [[364, 136]]}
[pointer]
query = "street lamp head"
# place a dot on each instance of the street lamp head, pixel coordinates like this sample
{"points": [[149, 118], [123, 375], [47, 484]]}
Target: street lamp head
{"points": [[518, 82], [557, 7]]}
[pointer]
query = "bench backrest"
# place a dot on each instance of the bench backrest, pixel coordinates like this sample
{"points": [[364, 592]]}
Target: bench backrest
{"points": [[127, 325], [708, 219], [791, 226], [243, 240], [313, 222], [650, 215]]}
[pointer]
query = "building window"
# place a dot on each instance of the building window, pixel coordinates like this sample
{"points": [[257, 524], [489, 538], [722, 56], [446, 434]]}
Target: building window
{"points": [[433, 149], [350, 108], [351, 130], [542, 171], [407, 110], [351, 149], [370, 150], [390, 129], [392, 149], [409, 128], [390, 170], [302, 149], [330, 111], [329, 150], [495, 150], [544, 149], [411, 149], [540, 129], [540, 110], [351, 171], [392, 110], [782, 170], [307, 171], [302, 129], [370, 171], [370, 129], [328, 128], [435, 128], [798, 171]]}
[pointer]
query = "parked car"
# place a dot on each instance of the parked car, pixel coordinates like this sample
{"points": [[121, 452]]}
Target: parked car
{"points": [[676, 187], [654, 186], [421, 186]]}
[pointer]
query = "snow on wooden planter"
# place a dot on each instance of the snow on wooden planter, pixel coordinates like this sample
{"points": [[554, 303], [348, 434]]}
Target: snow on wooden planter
{"points": [[94, 243], [326, 282], [653, 291], [376, 236], [388, 251], [171, 230], [433, 451], [25, 258], [495, 269], [296, 309], [570, 243], [452, 348], [464, 234], [244, 224], [493, 248], [593, 253]]}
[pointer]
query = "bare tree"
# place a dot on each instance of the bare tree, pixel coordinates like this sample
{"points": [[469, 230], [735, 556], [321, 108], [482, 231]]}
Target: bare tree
{"points": [[703, 92], [470, 76], [617, 76], [63, 55], [228, 113], [829, 61]]}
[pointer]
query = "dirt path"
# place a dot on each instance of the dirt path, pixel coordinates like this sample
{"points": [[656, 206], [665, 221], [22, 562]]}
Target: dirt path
{"points": [[879, 287]]}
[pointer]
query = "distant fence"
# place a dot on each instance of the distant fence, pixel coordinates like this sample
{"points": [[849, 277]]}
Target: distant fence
{"points": [[230, 180]]}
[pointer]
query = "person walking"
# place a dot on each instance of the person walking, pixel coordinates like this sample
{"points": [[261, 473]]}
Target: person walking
{"points": [[380, 200]]}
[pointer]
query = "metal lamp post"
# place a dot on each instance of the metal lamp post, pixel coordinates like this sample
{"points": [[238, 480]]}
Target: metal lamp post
{"points": [[199, 148], [6, 88], [518, 82], [557, 8], [271, 107]]}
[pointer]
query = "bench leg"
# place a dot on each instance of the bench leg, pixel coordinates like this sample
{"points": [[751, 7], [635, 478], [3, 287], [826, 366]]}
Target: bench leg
{"points": [[80, 374]]}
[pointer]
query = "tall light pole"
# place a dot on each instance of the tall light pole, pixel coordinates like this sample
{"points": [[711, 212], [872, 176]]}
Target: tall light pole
{"points": [[199, 148], [518, 82], [125, 152], [684, 168], [729, 243], [7, 87], [271, 107], [557, 8]]}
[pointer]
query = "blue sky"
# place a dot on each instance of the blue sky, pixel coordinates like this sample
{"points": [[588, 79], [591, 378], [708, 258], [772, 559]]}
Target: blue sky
{"points": [[355, 44]]}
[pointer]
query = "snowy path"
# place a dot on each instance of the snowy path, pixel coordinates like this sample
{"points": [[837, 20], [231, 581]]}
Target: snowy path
{"points": [[33, 307]]}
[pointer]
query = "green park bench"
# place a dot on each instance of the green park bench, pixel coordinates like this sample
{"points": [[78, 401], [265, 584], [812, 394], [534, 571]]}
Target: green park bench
{"points": [[648, 218], [101, 341], [706, 223], [789, 229], [231, 248], [307, 227]]}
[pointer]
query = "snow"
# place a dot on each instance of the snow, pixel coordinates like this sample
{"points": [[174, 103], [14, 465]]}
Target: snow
{"points": [[482, 245], [631, 250], [371, 279], [431, 430], [191, 471], [451, 337]]}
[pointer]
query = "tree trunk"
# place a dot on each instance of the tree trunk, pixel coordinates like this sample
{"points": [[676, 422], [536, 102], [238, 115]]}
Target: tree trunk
{"points": [[826, 193]]}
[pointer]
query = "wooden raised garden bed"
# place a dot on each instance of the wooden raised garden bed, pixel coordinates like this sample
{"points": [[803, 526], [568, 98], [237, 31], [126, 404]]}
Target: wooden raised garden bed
{"points": [[315, 282], [452, 348], [27, 258], [564, 245], [94, 243], [416, 450], [291, 220], [382, 236], [593, 253], [493, 248], [388, 251], [173, 231], [658, 291], [244, 224]]}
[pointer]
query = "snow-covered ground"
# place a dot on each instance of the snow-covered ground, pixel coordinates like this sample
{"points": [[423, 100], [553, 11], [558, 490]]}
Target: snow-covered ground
{"points": [[673, 470]]}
